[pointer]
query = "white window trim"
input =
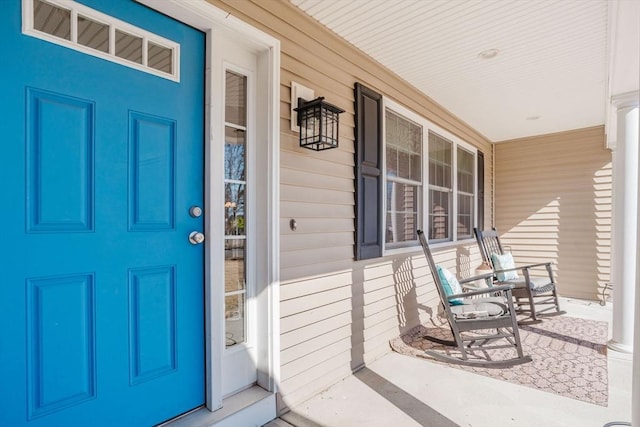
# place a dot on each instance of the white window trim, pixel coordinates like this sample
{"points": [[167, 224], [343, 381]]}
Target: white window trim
{"points": [[423, 215], [113, 24]]}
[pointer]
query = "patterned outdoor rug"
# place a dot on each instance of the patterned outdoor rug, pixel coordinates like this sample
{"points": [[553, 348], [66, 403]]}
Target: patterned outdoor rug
{"points": [[569, 356]]}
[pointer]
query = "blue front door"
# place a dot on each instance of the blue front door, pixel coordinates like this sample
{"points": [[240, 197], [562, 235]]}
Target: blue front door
{"points": [[101, 291]]}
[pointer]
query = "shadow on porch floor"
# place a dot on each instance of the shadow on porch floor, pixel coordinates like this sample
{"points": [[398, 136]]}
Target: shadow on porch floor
{"points": [[400, 391]]}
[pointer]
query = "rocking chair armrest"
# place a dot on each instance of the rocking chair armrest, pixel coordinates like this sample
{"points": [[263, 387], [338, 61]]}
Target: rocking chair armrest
{"points": [[474, 278], [504, 270], [540, 264], [491, 290], [524, 267]]}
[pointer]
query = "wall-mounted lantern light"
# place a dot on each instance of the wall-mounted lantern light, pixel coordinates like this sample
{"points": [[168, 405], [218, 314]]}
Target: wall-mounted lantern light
{"points": [[318, 121]]}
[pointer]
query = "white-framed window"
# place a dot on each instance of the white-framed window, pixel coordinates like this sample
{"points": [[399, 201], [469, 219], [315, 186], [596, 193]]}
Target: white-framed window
{"points": [[430, 181], [466, 186], [440, 206], [403, 159], [452, 189]]}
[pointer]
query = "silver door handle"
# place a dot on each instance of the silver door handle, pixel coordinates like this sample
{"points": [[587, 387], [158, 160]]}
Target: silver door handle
{"points": [[196, 237]]}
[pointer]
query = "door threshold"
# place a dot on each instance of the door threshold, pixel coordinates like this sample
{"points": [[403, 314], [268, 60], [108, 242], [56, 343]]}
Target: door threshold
{"points": [[251, 407]]}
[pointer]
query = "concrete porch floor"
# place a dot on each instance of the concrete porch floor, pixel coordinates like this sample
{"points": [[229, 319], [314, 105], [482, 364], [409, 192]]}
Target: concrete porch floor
{"points": [[400, 391]]}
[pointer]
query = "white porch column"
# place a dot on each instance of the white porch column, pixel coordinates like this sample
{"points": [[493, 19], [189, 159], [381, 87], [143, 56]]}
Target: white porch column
{"points": [[632, 128], [625, 223]]}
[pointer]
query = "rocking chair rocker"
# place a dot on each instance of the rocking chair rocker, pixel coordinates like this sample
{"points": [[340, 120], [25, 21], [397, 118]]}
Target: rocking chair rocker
{"points": [[480, 320]]}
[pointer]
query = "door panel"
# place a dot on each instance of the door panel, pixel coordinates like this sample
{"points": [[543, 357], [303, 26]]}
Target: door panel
{"points": [[101, 293], [59, 162]]}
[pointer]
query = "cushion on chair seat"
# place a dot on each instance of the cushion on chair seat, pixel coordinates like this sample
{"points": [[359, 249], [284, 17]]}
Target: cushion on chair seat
{"points": [[537, 284], [493, 306]]}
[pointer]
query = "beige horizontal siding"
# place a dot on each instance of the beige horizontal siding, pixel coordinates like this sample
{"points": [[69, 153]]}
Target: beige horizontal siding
{"points": [[337, 314], [553, 203], [317, 314], [311, 382], [318, 225], [290, 341], [350, 316], [304, 178]]}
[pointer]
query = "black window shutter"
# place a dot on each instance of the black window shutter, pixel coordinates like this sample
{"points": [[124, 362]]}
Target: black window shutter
{"points": [[480, 190], [368, 158]]}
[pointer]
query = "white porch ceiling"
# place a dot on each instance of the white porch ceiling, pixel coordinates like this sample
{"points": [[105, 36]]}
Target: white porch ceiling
{"points": [[550, 74]]}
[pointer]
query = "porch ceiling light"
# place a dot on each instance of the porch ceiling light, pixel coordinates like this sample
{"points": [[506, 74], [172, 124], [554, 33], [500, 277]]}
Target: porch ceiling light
{"points": [[318, 121]]}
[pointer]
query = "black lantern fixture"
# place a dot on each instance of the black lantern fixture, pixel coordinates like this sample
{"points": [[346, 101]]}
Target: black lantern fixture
{"points": [[318, 121]]}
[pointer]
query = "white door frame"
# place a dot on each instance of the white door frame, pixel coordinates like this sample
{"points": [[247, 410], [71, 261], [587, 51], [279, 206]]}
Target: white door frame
{"points": [[216, 23]]}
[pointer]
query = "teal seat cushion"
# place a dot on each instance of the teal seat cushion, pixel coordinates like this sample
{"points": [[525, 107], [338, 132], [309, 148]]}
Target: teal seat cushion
{"points": [[450, 284], [504, 262]]}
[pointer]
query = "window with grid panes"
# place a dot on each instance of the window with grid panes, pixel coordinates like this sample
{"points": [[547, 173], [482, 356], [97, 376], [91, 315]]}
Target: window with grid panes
{"points": [[465, 186], [440, 187], [403, 152], [431, 179]]}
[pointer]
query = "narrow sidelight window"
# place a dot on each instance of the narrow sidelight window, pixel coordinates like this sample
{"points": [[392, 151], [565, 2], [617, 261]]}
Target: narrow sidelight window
{"points": [[235, 188]]}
